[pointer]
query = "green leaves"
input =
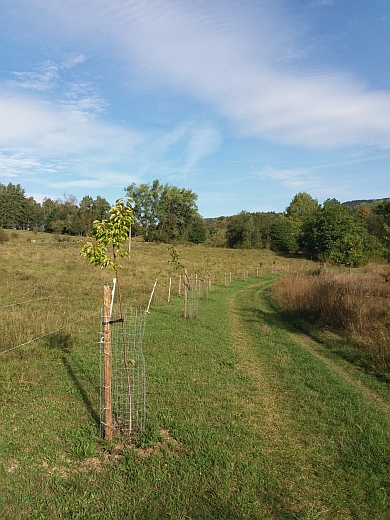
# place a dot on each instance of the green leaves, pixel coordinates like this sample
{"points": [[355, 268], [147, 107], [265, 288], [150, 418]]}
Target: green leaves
{"points": [[336, 235], [164, 212], [175, 258], [112, 232]]}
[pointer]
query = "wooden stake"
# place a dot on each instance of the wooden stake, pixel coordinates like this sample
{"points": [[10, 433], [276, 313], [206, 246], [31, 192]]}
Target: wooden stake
{"points": [[185, 293], [107, 363], [169, 289], [151, 296]]}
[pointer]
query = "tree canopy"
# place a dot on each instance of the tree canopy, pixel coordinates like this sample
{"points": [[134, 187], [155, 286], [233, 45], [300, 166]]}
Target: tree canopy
{"points": [[337, 235], [164, 212]]}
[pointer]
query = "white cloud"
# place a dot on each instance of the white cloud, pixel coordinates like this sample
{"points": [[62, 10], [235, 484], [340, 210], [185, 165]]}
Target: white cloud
{"points": [[291, 178], [13, 165], [72, 60], [33, 125], [96, 180], [44, 141], [303, 179], [165, 142], [215, 54]]}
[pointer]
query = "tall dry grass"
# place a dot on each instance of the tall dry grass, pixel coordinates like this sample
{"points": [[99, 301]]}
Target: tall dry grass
{"points": [[355, 305], [45, 285]]}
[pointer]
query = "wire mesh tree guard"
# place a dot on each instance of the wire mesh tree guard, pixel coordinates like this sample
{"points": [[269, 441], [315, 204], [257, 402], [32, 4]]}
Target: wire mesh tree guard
{"points": [[191, 296], [203, 283], [122, 396]]}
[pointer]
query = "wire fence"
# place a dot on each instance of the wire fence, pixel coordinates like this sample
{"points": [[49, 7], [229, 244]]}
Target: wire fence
{"points": [[33, 340], [19, 328], [122, 368], [25, 322], [127, 372]]}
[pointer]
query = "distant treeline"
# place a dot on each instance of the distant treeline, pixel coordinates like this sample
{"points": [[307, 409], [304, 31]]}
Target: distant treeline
{"points": [[345, 234], [163, 212]]}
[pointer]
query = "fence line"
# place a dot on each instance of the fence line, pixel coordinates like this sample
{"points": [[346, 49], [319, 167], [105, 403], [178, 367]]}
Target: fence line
{"points": [[61, 295], [49, 333], [228, 276]]}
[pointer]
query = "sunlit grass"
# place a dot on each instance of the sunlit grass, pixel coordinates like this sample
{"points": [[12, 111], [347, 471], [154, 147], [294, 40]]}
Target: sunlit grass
{"points": [[243, 421]]}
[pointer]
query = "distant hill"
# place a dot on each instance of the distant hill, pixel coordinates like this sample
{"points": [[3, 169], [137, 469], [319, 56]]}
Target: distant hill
{"points": [[355, 203]]}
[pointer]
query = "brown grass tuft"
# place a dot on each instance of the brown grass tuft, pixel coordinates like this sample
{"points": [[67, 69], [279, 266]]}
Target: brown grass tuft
{"points": [[357, 306]]}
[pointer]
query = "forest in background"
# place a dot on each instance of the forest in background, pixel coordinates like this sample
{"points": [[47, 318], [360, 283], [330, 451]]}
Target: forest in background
{"points": [[348, 234]]}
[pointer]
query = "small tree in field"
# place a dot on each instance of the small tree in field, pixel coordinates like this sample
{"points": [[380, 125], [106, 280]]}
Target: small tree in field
{"points": [[110, 236]]}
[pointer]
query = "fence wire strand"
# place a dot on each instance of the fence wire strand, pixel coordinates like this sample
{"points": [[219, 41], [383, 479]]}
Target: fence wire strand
{"points": [[61, 295], [49, 333]]}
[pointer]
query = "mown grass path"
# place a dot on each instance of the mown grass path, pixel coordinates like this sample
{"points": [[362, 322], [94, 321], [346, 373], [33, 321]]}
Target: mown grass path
{"points": [[247, 420], [328, 432]]}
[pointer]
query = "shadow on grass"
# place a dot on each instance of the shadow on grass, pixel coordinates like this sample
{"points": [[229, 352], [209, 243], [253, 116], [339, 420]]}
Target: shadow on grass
{"points": [[63, 342], [343, 347]]}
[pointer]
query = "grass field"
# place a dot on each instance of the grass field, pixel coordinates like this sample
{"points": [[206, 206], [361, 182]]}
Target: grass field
{"points": [[246, 418]]}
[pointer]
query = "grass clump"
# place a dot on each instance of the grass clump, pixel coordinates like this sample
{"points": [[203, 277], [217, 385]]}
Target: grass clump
{"points": [[3, 236], [354, 307]]}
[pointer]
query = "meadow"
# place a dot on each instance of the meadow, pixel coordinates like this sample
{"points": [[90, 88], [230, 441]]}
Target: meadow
{"points": [[247, 418]]}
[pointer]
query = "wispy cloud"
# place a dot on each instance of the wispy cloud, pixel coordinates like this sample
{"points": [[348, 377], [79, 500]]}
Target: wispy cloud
{"points": [[96, 180], [303, 179], [202, 143], [215, 55], [243, 59], [13, 165], [50, 128], [72, 60], [41, 80], [50, 78], [48, 140], [46, 76], [316, 3]]}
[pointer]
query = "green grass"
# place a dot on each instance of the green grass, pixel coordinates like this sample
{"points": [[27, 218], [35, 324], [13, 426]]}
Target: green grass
{"points": [[246, 418], [338, 429]]}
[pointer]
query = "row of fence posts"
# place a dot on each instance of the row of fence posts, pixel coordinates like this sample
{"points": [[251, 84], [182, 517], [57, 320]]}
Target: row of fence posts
{"points": [[188, 286]]}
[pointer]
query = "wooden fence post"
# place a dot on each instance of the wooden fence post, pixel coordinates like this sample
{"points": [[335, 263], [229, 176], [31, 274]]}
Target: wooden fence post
{"points": [[107, 363]]}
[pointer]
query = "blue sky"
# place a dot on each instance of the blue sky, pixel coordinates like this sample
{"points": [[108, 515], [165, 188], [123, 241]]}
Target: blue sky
{"points": [[245, 102]]}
